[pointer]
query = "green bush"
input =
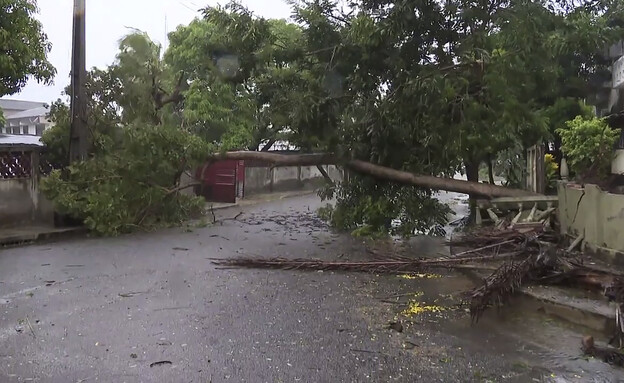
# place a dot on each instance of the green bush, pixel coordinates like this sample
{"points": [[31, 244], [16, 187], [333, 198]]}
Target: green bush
{"points": [[588, 145], [130, 184], [552, 172]]}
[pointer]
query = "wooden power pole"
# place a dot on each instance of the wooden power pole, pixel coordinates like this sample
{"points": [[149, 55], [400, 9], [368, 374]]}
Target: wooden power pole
{"points": [[78, 132]]}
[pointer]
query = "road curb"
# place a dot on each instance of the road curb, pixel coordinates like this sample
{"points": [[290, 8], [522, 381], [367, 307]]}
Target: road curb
{"points": [[252, 202], [594, 314], [41, 236], [591, 313]]}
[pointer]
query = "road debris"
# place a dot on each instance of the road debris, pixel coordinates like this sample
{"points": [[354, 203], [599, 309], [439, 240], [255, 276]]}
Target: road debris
{"points": [[161, 363], [396, 326], [608, 355], [512, 255]]}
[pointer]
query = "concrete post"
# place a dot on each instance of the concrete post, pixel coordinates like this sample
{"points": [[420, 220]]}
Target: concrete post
{"points": [[564, 171]]}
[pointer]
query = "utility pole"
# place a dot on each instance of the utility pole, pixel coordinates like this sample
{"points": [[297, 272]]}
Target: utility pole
{"points": [[78, 131]]}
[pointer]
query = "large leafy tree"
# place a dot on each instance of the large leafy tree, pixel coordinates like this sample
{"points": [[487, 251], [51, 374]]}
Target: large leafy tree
{"points": [[138, 152], [244, 74], [24, 47], [433, 87], [425, 87]]}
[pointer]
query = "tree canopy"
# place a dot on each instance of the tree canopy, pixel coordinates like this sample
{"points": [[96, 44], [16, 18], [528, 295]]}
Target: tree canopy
{"points": [[424, 87], [24, 47], [138, 149]]}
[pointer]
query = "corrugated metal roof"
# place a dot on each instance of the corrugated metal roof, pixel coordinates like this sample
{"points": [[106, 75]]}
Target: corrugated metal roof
{"points": [[19, 140], [6, 103], [35, 112]]}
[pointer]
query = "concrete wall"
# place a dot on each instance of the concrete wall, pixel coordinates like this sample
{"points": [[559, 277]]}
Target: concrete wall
{"points": [[597, 214], [185, 181], [21, 201], [266, 180]]}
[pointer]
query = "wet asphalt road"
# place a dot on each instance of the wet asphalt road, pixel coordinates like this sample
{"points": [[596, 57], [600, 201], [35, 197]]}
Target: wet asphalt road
{"points": [[108, 310]]}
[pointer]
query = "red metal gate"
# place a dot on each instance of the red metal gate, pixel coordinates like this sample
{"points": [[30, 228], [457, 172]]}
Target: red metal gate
{"points": [[221, 180]]}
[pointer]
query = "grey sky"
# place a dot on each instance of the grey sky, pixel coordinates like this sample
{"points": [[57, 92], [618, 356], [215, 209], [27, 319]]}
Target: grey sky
{"points": [[108, 21]]}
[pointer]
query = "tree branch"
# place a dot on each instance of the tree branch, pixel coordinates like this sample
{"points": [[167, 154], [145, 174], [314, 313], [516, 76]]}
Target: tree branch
{"points": [[176, 96], [325, 175], [180, 188], [377, 171]]}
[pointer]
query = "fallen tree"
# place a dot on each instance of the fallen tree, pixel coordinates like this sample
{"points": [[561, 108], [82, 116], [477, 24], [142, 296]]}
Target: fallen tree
{"points": [[377, 171]]}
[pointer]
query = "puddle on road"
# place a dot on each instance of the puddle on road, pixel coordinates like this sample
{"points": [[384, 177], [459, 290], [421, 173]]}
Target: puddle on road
{"points": [[547, 349], [554, 343]]}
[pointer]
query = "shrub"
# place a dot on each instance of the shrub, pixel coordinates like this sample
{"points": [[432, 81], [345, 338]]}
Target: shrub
{"points": [[131, 184], [552, 171], [588, 145]]}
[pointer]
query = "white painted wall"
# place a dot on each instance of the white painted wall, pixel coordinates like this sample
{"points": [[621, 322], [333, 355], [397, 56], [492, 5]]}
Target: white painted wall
{"points": [[265, 180]]}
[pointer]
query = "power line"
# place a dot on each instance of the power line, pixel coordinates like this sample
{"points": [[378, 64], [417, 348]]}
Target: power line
{"points": [[187, 7]]}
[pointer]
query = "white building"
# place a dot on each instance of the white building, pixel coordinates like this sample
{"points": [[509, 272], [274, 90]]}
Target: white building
{"points": [[615, 108], [24, 117]]}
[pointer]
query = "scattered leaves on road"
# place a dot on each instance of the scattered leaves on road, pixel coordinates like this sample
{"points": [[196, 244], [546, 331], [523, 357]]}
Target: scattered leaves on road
{"points": [[419, 276], [416, 308]]}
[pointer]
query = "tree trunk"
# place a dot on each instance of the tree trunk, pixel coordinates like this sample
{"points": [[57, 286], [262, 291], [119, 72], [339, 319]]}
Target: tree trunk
{"points": [[268, 145], [380, 172], [472, 174], [490, 170], [323, 172]]}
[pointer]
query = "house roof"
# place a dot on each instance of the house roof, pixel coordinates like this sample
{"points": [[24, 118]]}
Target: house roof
{"points": [[35, 112], [19, 104], [19, 140]]}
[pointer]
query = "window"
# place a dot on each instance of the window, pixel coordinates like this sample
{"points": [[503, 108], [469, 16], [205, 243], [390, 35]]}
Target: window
{"points": [[39, 129], [25, 129], [16, 130]]}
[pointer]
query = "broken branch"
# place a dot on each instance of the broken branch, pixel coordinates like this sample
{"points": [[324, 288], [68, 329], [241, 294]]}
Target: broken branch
{"points": [[377, 171]]}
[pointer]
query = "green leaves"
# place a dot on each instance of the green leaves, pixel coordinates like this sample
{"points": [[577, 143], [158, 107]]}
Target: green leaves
{"points": [[24, 46], [138, 148], [588, 145], [417, 86], [132, 185], [383, 208]]}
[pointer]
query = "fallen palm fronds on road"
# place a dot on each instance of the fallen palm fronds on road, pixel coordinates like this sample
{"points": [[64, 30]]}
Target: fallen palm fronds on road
{"points": [[390, 266], [500, 285], [518, 257], [513, 258]]}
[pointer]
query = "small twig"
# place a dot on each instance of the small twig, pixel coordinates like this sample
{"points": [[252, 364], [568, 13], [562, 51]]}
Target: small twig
{"points": [[575, 243], [398, 296], [366, 351], [172, 308], [214, 217], [180, 188], [31, 328], [483, 248], [475, 267], [392, 302], [545, 214], [160, 363], [228, 219]]}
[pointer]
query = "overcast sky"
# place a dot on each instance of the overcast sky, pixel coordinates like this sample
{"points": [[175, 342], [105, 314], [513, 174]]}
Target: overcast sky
{"points": [[108, 21]]}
